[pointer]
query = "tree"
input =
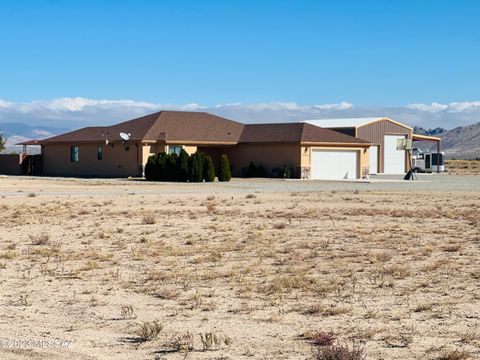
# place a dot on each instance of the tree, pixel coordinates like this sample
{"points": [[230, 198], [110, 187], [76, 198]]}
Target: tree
{"points": [[171, 167], [150, 174], [182, 166], [2, 142], [225, 173], [208, 169], [196, 167], [160, 167]]}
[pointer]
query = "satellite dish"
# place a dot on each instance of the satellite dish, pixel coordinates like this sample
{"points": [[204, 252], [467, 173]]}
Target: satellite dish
{"points": [[125, 136]]}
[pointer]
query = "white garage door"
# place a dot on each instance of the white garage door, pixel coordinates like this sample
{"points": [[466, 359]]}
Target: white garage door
{"points": [[393, 159], [373, 159], [334, 164]]}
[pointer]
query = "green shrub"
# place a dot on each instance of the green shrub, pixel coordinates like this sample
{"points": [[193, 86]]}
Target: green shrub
{"points": [[196, 167], [225, 173], [182, 166], [160, 166], [254, 171], [150, 174], [171, 167], [286, 172], [251, 170], [208, 169]]}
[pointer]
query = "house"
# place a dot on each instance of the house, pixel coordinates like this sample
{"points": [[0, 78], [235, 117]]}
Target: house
{"points": [[383, 134], [122, 150]]}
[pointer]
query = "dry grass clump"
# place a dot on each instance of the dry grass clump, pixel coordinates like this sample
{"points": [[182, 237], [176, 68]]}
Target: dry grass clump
{"points": [[280, 226], [318, 338], [149, 219], [339, 352], [463, 167], [8, 255], [40, 239], [325, 310], [178, 342], [454, 355], [149, 330], [127, 312]]}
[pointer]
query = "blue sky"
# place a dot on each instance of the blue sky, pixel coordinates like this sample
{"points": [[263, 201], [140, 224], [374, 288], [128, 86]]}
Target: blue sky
{"points": [[370, 53]]}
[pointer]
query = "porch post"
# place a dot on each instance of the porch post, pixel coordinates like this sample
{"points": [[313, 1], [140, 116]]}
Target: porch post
{"points": [[438, 156]]}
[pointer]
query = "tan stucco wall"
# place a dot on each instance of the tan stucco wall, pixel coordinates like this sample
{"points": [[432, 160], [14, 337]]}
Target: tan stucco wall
{"points": [[270, 156], [152, 149], [116, 160], [190, 149], [363, 156]]}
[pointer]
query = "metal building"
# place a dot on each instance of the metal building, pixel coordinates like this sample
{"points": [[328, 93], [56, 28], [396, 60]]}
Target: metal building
{"points": [[383, 133]]}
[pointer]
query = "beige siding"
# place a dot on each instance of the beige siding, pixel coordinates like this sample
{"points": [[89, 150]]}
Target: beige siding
{"points": [[190, 149], [116, 160], [375, 133], [270, 156]]}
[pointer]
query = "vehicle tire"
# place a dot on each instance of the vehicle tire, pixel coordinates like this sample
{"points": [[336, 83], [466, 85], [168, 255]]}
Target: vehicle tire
{"points": [[416, 170]]}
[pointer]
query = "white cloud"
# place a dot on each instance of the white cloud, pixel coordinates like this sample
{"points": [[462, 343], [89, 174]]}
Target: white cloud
{"points": [[453, 107], [464, 106], [433, 107], [41, 133], [70, 113], [341, 106]]}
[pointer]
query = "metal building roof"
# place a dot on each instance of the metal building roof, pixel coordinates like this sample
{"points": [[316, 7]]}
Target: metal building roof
{"points": [[348, 122]]}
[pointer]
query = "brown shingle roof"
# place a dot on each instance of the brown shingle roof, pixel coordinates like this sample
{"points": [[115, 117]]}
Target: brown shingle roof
{"points": [[294, 132], [172, 126], [201, 127]]}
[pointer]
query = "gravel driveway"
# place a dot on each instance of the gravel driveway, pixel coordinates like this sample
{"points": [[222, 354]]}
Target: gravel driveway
{"points": [[13, 185]]}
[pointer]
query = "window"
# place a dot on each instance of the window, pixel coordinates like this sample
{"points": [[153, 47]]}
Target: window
{"points": [[74, 153], [175, 149], [99, 152]]}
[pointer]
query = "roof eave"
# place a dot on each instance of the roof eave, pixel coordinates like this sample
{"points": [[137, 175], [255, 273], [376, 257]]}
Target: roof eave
{"points": [[332, 143]]}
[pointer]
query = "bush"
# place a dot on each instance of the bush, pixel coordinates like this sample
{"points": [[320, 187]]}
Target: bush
{"points": [[160, 166], [255, 171], [150, 174], [286, 172], [196, 167], [171, 167], [251, 170], [182, 166], [225, 173], [208, 169], [149, 330], [339, 352]]}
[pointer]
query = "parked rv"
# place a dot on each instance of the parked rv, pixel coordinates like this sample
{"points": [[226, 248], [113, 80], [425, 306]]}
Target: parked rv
{"points": [[427, 162]]}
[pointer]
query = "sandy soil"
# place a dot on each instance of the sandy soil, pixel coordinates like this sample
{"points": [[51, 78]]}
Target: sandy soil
{"points": [[394, 271]]}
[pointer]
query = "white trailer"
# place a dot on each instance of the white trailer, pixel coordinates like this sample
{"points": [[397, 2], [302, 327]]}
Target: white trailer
{"points": [[427, 162]]}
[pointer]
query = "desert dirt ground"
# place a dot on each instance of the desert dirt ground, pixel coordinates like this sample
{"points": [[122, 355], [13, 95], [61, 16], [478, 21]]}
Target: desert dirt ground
{"points": [[131, 270], [463, 167]]}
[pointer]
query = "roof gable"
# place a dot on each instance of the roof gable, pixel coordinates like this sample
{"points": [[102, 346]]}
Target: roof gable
{"points": [[171, 126], [351, 122]]}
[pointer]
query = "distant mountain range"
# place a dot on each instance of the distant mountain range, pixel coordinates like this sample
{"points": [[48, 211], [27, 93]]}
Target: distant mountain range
{"points": [[16, 132], [459, 143]]}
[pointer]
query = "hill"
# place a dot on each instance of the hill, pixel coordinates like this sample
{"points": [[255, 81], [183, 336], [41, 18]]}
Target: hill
{"points": [[460, 143]]}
